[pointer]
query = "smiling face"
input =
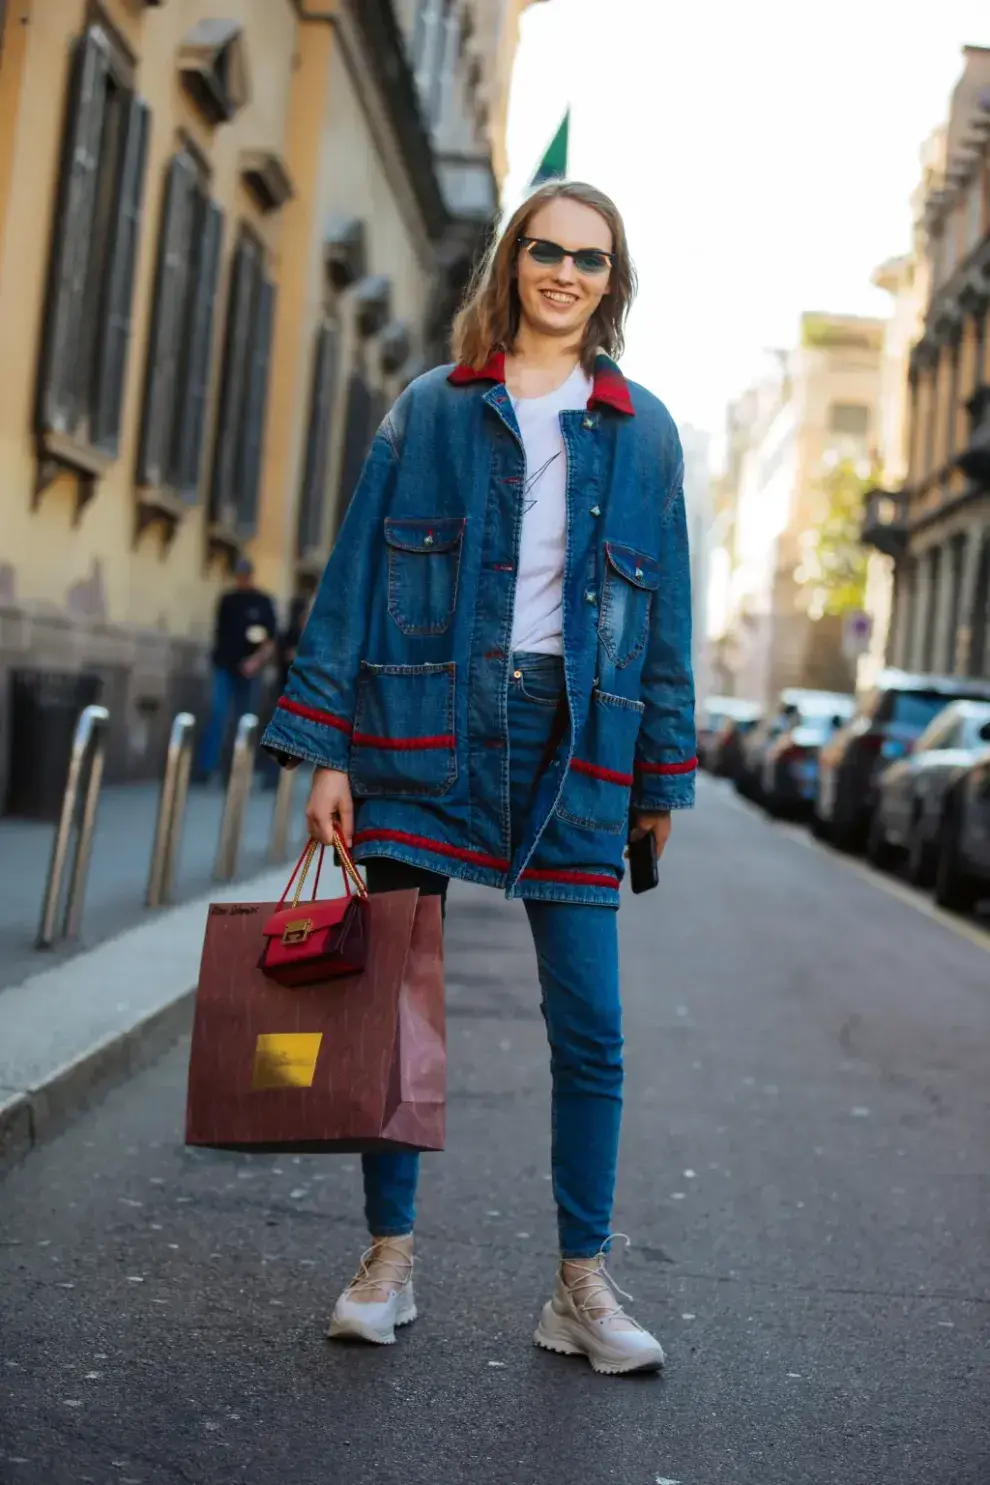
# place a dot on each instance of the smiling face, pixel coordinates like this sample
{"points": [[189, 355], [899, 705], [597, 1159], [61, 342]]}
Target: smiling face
{"points": [[557, 299]]}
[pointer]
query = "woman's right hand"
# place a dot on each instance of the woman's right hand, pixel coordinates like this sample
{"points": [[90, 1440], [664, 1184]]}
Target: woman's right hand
{"points": [[329, 805]]}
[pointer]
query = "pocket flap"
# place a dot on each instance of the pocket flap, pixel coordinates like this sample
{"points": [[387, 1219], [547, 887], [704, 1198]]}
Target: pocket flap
{"points": [[634, 566], [427, 536]]}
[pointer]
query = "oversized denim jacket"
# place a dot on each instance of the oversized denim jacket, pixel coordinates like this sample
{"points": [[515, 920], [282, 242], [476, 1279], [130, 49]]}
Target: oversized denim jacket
{"points": [[401, 677]]}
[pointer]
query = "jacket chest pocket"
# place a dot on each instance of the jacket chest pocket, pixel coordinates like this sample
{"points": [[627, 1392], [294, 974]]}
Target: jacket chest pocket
{"points": [[631, 579], [423, 563]]}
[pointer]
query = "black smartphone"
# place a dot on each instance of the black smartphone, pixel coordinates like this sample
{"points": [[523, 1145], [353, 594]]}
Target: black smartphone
{"points": [[643, 874]]}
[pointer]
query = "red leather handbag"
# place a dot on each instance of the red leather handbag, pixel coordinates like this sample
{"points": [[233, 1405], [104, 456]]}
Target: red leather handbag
{"points": [[313, 942]]}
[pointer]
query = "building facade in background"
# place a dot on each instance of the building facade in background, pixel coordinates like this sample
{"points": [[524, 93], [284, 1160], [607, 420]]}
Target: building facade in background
{"points": [[230, 233], [934, 525], [814, 406]]}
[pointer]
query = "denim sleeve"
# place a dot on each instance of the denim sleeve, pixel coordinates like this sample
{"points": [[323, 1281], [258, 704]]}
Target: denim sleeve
{"points": [[666, 750], [314, 717]]}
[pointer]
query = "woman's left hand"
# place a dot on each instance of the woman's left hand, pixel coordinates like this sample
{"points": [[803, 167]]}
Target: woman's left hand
{"points": [[657, 825]]}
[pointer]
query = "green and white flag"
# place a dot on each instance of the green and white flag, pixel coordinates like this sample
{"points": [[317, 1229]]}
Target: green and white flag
{"points": [[553, 166]]}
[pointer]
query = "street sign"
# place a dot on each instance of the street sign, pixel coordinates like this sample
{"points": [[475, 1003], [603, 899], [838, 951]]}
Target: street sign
{"points": [[857, 631]]}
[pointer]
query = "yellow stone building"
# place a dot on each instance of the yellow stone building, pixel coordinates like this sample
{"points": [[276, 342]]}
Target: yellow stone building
{"points": [[230, 232], [933, 522]]}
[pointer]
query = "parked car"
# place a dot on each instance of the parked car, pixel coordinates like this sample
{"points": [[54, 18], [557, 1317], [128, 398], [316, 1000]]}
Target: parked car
{"points": [[895, 712], [911, 793], [780, 719], [728, 750], [962, 871], [790, 763], [717, 713]]}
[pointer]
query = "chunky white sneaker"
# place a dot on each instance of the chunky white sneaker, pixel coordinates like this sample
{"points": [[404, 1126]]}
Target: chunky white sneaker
{"points": [[584, 1318], [379, 1297]]}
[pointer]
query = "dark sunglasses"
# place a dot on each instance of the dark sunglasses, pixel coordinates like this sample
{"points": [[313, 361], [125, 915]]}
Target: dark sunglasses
{"points": [[551, 254]]}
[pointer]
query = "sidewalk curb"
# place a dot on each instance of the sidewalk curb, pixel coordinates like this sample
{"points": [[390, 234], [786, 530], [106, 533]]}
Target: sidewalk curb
{"points": [[30, 1118]]}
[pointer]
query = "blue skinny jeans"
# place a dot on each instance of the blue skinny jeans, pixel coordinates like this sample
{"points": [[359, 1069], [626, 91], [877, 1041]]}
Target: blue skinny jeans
{"points": [[578, 961]]}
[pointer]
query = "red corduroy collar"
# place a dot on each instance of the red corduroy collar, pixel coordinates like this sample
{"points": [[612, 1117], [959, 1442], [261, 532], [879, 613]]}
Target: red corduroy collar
{"points": [[609, 388]]}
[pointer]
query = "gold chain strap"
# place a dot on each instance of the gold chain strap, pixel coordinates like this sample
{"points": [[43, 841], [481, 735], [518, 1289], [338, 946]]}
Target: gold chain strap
{"points": [[350, 870]]}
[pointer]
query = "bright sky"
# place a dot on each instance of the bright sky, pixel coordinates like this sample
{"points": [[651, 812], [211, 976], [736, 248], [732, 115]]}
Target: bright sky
{"points": [[763, 155]]}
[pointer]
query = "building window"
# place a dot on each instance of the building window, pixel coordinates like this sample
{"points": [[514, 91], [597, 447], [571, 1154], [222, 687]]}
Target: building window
{"points": [[979, 647], [952, 409], [358, 432], [243, 395], [974, 214], [957, 561], [931, 609], [181, 338], [311, 527], [94, 244], [850, 418]]}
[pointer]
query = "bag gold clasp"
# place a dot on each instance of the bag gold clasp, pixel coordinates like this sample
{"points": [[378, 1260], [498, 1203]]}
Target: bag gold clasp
{"points": [[298, 931]]}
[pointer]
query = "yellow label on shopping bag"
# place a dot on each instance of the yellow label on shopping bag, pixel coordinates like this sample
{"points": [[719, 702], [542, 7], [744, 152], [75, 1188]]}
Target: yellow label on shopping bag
{"points": [[286, 1059]]}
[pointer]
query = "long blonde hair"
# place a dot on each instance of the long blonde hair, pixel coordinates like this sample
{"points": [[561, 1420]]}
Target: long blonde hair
{"points": [[488, 320]]}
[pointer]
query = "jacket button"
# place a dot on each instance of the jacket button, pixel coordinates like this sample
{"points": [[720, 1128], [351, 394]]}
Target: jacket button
{"points": [[517, 675], [427, 541], [639, 572], [596, 510], [589, 596], [589, 422]]}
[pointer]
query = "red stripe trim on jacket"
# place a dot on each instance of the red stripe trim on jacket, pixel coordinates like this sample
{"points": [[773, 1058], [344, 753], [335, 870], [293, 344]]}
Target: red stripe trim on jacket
{"points": [[479, 858], [313, 714], [461, 853], [401, 744], [609, 775], [571, 878], [669, 768]]}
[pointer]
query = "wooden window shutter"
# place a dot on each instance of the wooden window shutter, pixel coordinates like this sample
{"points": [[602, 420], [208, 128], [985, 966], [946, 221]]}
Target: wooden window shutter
{"points": [[358, 433], [255, 402], [244, 276], [115, 326], [196, 362], [164, 341], [309, 531], [59, 405]]}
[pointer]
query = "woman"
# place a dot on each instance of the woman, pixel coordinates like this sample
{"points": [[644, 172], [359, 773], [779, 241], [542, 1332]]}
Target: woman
{"points": [[496, 671]]}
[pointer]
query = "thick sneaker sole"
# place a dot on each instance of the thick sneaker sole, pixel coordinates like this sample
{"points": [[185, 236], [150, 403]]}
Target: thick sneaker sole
{"points": [[352, 1328], [557, 1333]]}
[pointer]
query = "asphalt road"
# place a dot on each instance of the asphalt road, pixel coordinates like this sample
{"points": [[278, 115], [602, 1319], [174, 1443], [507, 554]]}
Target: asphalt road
{"points": [[805, 1179]]}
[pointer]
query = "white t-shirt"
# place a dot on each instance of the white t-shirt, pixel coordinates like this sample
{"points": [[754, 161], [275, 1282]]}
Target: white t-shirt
{"points": [[537, 622]]}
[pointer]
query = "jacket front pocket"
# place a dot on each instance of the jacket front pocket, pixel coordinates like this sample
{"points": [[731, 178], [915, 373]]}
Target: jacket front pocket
{"points": [[403, 740], [596, 791], [631, 578], [423, 562]]}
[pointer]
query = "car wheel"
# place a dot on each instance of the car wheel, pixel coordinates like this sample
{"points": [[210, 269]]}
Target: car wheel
{"points": [[879, 851], [846, 833], [953, 888], [920, 867]]}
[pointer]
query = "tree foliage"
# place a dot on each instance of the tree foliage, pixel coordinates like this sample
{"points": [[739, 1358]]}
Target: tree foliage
{"points": [[833, 566]]}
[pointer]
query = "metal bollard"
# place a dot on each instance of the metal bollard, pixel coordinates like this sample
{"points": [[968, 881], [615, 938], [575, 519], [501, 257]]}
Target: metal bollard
{"points": [[278, 846], [171, 810], [85, 772], [238, 790]]}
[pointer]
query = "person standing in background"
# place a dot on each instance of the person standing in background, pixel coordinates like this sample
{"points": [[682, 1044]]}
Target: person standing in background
{"points": [[243, 644]]}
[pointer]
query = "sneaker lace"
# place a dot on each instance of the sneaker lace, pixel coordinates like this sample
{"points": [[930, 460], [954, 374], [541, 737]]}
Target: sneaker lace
{"points": [[392, 1272], [585, 1288]]}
